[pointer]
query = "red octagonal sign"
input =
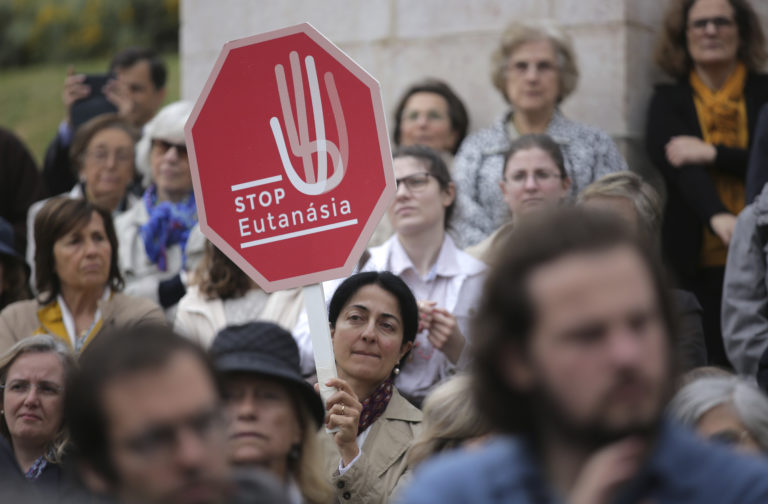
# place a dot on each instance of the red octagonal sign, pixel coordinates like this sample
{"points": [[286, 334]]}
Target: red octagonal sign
{"points": [[290, 157]]}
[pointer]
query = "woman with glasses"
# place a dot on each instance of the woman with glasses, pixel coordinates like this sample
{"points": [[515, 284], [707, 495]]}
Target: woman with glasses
{"points": [[159, 238], [103, 153], [725, 409], [446, 281], [534, 69], [533, 178], [699, 130], [34, 438]]}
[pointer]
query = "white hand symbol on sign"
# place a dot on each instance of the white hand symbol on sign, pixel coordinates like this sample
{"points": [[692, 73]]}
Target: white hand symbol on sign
{"points": [[299, 141]]}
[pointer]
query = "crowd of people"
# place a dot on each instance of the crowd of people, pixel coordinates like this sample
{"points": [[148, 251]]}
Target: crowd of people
{"points": [[532, 321]]}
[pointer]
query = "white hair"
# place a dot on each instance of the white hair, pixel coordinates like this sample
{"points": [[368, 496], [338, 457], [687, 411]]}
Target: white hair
{"points": [[168, 124], [699, 396]]}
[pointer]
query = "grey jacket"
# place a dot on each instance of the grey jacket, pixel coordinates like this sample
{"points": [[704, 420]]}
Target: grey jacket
{"points": [[745, 289], [589, 154]]}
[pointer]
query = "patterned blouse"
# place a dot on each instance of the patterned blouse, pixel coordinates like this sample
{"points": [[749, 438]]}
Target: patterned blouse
{"points": [[589, 154]]}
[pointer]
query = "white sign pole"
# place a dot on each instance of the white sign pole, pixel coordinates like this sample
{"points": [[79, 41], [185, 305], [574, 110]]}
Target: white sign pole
{"points": [[320, 332]]}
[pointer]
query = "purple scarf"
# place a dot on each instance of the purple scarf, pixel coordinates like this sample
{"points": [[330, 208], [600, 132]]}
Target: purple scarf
{"points": [[374, 405]]}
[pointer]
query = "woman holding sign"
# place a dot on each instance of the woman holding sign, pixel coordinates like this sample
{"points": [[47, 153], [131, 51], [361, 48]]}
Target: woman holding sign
{"points": [[374, 319]]}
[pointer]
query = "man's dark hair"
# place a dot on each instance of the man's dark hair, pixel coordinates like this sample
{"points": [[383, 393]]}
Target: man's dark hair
{"points": [[129, 57], [409, 310], [111, 356], [507, 315]]}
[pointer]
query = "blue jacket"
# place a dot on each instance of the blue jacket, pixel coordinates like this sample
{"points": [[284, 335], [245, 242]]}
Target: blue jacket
{"points": [[682, 470]]}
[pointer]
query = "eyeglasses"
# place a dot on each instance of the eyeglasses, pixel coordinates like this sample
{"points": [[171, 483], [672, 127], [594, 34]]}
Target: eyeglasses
{"points": [[431, 116], [416, 182], [521, 67], [160, 441], [122, 156], [718, 21], [22, 388], [540, 177], [164, 146]]}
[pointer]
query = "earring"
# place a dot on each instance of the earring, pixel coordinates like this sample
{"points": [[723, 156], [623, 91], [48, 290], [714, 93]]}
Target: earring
{"points": [[295, 452], [396, 371]]}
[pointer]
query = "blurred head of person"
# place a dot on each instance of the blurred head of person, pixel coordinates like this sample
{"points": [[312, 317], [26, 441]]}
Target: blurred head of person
{"points": [[143, 74], [33, 374], [450, 419], [573, 336], [103, 154], [218, 277], [627, 195], [274, 414], [374, 319], [14, 271], [430, 113], [725, 409], [710, 33], [426, 195], [534, 68], [534, 175], [76, 250], [162, 153], [146, 416]]}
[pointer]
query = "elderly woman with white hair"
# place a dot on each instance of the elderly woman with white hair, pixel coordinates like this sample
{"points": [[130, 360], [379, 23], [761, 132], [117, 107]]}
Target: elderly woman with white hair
{"points": [[534, 69], [725, 409], [159, 236]]}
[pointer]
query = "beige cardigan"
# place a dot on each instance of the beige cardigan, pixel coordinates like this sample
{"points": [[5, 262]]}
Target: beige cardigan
{"points": [[19, 320], [374, 477]]}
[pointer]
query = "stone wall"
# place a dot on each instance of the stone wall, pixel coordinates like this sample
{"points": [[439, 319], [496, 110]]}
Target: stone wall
{"points": [[400, 41]]}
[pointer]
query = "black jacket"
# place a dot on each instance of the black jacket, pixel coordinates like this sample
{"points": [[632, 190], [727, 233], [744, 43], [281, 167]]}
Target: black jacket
{"points": [[691, 195]]}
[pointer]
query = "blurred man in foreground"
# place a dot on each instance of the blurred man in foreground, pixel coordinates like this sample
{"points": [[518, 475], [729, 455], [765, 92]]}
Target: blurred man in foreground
{"points": [[575, 358], [146, 416]]}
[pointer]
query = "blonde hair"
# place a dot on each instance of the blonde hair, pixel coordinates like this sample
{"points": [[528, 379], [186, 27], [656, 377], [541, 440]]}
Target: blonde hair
{"points": [[307, 469], [517, 34], [41, 343], [625, 184], [450, 418]]}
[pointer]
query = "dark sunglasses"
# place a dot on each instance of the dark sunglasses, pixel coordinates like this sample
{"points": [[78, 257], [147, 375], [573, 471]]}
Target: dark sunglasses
{"points": [[164, 146]]}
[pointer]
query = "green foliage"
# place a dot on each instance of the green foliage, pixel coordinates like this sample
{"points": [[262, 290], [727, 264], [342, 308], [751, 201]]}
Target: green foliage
{"points": [[33, 31]]}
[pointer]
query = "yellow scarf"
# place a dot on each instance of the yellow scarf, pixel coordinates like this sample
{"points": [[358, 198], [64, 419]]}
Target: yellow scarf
{"points": [[722, 116], [52, 322]]}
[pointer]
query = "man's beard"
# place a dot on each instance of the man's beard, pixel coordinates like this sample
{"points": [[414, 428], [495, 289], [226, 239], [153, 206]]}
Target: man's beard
{"points": [[597, 431]]}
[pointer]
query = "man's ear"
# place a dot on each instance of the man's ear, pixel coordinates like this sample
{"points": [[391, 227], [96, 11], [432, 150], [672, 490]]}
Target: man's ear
{"points": [[93, 479], [515, 368]]}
